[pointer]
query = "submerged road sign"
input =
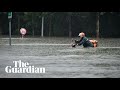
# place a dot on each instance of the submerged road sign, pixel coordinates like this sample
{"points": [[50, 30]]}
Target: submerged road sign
{"points": [[23, 31]]}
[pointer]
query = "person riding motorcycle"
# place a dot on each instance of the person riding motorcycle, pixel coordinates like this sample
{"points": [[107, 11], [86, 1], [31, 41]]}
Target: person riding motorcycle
{"points": [[85, 41]]}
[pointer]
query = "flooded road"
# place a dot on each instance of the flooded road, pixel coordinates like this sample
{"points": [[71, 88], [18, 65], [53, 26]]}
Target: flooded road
{"points": [[59, 59]]}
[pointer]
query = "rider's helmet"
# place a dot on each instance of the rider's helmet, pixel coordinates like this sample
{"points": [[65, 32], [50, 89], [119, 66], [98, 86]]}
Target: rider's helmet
{"points": [[82, 34]]}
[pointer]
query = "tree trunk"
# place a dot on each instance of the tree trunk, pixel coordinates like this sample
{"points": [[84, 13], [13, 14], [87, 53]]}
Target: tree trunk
{"points": [[42, 28], [32, 25], [97, 27], [0, 27], [18, 24], [50, 26], [70, 31], [0, 31]]}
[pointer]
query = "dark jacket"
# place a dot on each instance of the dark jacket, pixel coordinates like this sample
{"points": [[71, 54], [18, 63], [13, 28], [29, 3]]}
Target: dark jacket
{"points": [[85, 42]]}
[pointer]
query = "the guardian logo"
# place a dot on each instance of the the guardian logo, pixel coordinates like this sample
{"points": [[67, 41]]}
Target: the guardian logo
{"points": [[23, 67]]}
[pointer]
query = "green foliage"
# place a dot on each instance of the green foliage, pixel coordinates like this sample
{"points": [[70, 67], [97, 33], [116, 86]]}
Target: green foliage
{"points": [[62, 23]]}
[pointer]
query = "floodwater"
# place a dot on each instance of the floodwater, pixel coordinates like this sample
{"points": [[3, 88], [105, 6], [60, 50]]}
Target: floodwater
{"points": [[59, 59]]}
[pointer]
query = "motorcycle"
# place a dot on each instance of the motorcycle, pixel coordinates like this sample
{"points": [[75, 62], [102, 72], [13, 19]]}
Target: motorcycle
{"points": [[94, 42]]}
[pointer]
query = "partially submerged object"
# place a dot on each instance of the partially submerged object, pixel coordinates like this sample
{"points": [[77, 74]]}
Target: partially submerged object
{"points": [[94, 42], [85, 41]]}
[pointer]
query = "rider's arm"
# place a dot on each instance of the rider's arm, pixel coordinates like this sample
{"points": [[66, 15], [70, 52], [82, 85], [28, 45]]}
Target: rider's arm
{"points": [[80, 42]]}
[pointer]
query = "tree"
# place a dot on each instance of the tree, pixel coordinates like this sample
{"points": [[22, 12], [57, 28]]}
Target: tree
{"points": [[43, 14], [97, 26], [70, 31]]}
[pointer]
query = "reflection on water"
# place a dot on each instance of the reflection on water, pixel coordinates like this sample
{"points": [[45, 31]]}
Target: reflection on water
{"points": [[60, 59]]}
